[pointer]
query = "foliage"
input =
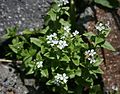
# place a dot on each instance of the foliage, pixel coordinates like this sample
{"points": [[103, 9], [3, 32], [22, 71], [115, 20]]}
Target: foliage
{"points": [[108, 3], [58, 54]]}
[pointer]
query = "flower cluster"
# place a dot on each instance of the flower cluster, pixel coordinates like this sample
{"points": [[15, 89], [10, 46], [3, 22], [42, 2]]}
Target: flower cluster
{"points": [[60, 79], [54, 41], [90, 55], [100, 26], [62, 2], [39, 64]]}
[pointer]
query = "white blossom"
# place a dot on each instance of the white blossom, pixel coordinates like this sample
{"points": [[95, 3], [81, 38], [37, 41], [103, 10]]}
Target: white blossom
{"points": [[114, 88], [60, 78], [67, 28], [90, 55], [92, 60], [55, 41], [39, 64], [64, 78], [52, 39], [100, 26], [90, 52], [62, 44], [62, 2], [75, 33]]}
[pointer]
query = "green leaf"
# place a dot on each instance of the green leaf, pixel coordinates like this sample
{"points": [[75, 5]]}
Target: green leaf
{"points": [[52, 15], [78, 72], [48, 55], [89, 34], [38, 56], [108, 3], [98, 40], [43, 49], [44, 73], [36, 41], [76, 60], [65, 58], [11, 32], [27, 31], [31, 71], [98, 62], [108, 46], [49, 82], [71, 73], [27, 59], [16, 47], [66, 87], [64, 23], [96, 70]]}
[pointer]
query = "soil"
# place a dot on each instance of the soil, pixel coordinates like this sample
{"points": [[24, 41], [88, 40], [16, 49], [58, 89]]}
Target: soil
{"points": [[111, 65]]}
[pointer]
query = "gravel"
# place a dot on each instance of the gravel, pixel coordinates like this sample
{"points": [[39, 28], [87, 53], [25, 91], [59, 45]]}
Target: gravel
{"points": [[22, 13]]}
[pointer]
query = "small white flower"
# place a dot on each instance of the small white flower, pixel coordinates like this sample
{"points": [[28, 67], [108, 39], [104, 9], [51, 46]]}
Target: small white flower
{"points": [[57, 80], [65, 2], [75, 33], [49, 37], [64, 78], [55, 41], [62, 44], [62, 2], [52, 39], [39, 64], [54, 35], [60, 78], [90, 55], [87, 52], [114, 88], [92, 52], [100, 26], [67, 28], [92, 60]]}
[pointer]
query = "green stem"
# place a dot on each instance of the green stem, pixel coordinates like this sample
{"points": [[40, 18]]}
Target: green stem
{"points": [[72, 14]]}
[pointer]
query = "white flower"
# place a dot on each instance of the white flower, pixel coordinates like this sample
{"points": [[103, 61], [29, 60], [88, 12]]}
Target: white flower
{"points": [[64, 78], [87, 52], [60, 78], [52, 39], [62, 44], [100, 26], [92, 60], [114, 88], [39, 64], [65, 2], [75, 33], [54, 35], [62, 2], [49, 37], [57, 80], [90, 55], [92, 52], [67, 28], [55, 41]]}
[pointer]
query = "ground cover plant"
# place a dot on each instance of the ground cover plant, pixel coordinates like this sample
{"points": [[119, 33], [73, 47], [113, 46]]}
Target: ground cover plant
{"points": [[61, 55]]}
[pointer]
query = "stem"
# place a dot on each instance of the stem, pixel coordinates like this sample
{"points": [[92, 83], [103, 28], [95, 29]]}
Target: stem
{"points": [[9, 61], [72, 14]]}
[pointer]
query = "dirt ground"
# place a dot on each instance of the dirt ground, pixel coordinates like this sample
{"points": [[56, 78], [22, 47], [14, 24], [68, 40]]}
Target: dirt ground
{"points": [[111, 66]]}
